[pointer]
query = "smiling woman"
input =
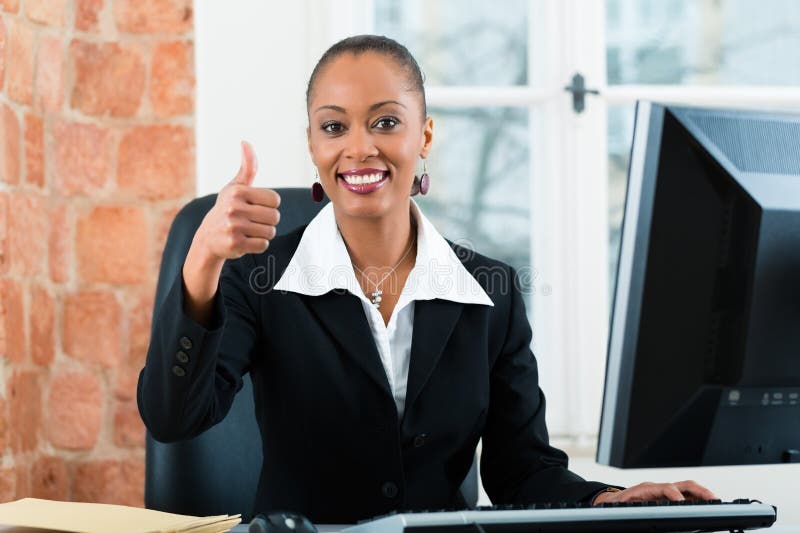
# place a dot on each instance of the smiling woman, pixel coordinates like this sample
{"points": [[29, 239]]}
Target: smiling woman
{"points": [[365, 404], [367, 130]]}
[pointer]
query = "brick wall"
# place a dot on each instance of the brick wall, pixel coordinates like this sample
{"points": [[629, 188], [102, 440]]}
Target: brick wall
{"points": [[96, 156]]}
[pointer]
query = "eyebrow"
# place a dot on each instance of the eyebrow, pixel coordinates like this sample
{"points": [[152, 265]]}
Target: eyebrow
{"points": [[373, 107]]}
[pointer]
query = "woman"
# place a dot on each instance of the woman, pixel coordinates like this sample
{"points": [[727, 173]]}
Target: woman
{"points": [[378, 357]]}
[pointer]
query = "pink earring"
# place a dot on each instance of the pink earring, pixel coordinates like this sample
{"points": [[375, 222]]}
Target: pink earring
{"points": [[421, 183], [317, 193]]}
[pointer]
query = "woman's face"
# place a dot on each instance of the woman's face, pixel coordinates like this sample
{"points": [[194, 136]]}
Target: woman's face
{"points": [[366, 133]]}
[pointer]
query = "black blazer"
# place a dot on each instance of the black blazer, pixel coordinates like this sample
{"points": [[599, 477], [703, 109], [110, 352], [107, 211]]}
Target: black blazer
{"points": [[334, 448]]}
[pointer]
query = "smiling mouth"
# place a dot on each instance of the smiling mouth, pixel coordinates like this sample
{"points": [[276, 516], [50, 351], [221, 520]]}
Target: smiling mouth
{"points": [[364, 179]]}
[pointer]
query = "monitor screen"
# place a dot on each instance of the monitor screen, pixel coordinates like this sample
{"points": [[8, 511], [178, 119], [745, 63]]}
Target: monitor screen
{"points": [[703, 362]]}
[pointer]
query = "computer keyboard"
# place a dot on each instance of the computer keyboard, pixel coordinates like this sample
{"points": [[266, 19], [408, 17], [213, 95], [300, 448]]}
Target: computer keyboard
{"points": [[687, 515]]}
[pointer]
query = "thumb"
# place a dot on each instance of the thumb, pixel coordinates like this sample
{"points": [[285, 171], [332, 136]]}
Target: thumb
{"points": [[248, 167]]}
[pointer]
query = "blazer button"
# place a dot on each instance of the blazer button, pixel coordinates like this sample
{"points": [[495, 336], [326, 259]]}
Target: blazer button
{"points": [[182, 356], [420, 440], [178, 371], [186, 343], [389, 489]]}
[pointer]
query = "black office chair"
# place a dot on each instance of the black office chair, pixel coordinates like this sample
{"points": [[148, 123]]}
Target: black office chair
{"points": [[217, 472]]}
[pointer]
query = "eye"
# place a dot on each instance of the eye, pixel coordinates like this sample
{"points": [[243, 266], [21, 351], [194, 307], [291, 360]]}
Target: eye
{"points": [[386, 123], [332, 127]]}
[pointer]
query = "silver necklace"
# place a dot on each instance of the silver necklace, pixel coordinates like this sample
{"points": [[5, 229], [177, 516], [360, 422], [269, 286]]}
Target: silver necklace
{"points": [[376, 294]]}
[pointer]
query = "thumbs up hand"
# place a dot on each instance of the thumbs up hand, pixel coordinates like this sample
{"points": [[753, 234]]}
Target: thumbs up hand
{"points": [[242, 221], [244, 217]]}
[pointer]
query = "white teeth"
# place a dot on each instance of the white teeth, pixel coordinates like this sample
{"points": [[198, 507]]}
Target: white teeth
{"points": [[361, 180]]}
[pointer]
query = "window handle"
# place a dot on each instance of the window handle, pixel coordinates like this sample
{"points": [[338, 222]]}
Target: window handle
{"points": [[579, 92]]}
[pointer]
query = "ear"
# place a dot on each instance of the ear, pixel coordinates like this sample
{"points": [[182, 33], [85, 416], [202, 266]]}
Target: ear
{"points": [[427, 137]]}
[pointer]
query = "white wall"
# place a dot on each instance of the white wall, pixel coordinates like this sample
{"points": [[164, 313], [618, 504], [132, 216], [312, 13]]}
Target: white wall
{"points": [[251, 68], [253, 59]]}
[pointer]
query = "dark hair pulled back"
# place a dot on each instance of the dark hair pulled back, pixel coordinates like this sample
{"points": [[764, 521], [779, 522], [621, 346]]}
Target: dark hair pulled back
{"points": [[360, 44]]}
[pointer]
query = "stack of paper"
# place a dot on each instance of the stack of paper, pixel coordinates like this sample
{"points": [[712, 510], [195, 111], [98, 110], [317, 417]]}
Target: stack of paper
{"points": [[104, 518]]}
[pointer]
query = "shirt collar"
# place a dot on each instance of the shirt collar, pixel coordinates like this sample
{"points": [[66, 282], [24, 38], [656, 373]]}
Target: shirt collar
{"points": [[321, 264]]}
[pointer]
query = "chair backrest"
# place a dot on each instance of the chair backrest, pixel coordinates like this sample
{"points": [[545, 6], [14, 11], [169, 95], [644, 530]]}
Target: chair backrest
{"points": [[217, 472]]}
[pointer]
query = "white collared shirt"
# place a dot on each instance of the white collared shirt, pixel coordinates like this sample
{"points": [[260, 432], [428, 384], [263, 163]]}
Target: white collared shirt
{"points": [[321, 264]]}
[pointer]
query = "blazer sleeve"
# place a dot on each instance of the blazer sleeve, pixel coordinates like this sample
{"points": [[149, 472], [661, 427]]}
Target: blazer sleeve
{"points": [[518, 465], [192, 372]]}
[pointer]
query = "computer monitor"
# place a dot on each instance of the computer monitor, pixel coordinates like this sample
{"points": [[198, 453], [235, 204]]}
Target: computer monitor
{"points": [[703, 362]]}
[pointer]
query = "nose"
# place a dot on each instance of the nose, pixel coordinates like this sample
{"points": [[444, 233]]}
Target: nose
{"points": [[360, 144]]}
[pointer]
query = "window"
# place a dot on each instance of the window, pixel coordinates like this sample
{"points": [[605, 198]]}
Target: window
{"points": [[466, 44], [480, 161]]}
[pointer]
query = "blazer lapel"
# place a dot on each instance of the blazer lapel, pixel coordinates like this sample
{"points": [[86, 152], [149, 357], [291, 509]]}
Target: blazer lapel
{"points": [[343, 316], [434, 321]]}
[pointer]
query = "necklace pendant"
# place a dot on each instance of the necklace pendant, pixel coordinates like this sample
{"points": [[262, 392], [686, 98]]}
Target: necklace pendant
{"points": [[376, 298]]}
